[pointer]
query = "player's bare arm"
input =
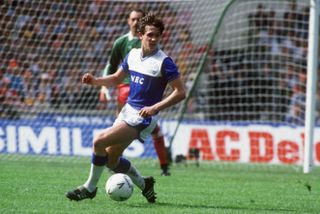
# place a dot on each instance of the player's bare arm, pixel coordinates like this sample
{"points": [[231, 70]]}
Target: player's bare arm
{"points": [[107, 81], [176, 96]]}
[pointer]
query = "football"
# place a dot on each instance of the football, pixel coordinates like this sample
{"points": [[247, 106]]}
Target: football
{"points": [[119, 187]]}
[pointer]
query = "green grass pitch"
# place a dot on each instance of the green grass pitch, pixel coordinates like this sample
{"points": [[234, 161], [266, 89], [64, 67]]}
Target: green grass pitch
{"points": [[36, 185]]}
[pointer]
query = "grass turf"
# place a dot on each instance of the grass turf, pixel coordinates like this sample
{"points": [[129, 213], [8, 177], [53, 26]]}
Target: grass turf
{"points": [[36, 185]]}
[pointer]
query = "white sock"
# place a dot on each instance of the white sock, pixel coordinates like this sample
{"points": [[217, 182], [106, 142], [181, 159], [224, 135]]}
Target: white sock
{"points": [[136, 178], [94, 176]]}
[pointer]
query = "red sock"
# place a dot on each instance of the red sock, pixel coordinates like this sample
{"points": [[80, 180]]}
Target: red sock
{"points": [[158, 142]]}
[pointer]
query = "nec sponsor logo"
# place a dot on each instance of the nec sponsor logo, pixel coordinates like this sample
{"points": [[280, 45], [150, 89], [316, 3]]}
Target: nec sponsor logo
{"points": [[137, 79]]}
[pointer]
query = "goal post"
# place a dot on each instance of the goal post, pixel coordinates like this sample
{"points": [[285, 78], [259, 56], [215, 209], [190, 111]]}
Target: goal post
{"points": [[312, 66], [241, 46], [311, 84]]}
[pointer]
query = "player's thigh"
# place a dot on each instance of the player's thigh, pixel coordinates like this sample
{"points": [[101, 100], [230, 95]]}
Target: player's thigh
{"points": [[119, 133]]}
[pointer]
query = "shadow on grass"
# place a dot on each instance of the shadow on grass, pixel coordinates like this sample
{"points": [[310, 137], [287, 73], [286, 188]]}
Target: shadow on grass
{"points": [[208, 207]]}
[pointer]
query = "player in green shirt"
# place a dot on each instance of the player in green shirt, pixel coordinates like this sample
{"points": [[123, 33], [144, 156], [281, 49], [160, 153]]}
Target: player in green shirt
{"points": [[120, 49]]}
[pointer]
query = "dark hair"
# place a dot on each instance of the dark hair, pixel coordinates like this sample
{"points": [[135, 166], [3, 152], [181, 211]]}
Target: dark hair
{"points": [[150, 19], [138, 10]]}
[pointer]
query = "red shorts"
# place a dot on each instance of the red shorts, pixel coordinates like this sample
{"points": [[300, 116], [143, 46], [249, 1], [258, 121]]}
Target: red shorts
{"points": [[123, 93]]}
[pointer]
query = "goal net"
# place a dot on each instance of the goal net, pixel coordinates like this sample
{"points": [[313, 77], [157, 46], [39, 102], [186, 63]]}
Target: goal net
{"points": [[243, 64], [251, 92]]}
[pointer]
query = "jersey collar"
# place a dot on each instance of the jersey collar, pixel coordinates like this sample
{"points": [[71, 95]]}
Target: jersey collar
{"points": [[131, 36], [151, 54]]}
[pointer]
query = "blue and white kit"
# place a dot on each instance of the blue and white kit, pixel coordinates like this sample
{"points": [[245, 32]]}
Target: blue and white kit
{"points": [[149, 77]]}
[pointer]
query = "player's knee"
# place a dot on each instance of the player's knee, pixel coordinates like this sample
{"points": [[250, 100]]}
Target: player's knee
{"points": [[98, 142]]}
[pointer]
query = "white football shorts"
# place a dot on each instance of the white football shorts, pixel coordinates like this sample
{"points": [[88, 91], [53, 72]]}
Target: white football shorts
{"points": [[131, 117]]}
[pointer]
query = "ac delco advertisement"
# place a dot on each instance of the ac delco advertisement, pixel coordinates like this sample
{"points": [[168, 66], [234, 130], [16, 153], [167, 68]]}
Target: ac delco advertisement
{"points": [[246, 144], [72, 136]]}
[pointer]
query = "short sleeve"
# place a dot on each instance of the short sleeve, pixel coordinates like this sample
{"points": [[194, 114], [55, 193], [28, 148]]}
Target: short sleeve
{"points": [[125, 64], [169, 70]]}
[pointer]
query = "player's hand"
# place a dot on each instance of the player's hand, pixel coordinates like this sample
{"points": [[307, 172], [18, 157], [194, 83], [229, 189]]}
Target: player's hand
{"points": [[147, 111], [88, 79], [104, 95]]}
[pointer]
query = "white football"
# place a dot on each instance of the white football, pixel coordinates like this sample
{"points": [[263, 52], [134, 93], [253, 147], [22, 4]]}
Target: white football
{"points": [[119, 187]]}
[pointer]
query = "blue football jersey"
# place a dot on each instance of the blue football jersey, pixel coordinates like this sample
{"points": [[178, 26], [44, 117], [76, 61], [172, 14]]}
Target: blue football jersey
{"points": [[149, 76]]}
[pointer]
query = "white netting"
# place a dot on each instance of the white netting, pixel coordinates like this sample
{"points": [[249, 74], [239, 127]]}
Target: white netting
{"points": [[257, 67], [252, 89], [251, 57], [47, 46]]}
